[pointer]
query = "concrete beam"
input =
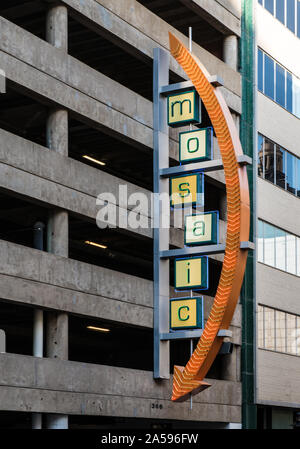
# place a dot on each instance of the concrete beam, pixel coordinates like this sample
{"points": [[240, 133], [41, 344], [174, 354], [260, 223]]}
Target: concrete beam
{"points": [[138, 27], [46, 175], [41, 279], [81, 388], [48, 185], [216, 14], [118, 113]]}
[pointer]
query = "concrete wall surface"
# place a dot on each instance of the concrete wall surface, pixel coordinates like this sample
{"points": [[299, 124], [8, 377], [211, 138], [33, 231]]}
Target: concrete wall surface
{"points": [[278, 379], [34, 384]]}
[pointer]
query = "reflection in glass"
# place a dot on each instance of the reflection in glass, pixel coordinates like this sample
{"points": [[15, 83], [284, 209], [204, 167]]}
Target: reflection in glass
{"points": [[269, 328], [269, 5], [290, 253], [280, 85], [269, 160], [280, 10], [298, 18], [290, 14], [296, 96], [290, 172], [280, 167], [298, 335], [289, 92], [280, 244], [280, 331], [269, 77], [291, 333], [269, 244], [260, 80], [260, 320], [260, 155], [260, 241], [298, 177]]}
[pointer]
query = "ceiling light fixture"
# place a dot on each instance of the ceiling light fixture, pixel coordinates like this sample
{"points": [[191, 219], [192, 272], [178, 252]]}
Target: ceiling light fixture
{"points": [[93, 160], [95, 244], [98, 329]]}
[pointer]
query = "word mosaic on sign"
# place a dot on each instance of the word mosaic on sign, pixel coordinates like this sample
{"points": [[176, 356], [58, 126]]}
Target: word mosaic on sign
{"points": [[178, 318], [191, 273]]}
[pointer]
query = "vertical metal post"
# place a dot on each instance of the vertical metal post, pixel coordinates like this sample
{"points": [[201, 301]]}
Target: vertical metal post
{"points": [[161, 289], [38, 317]]}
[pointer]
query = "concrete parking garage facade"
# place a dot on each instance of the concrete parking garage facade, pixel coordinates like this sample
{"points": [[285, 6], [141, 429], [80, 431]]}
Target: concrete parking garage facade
{"points": [[60, 96]]}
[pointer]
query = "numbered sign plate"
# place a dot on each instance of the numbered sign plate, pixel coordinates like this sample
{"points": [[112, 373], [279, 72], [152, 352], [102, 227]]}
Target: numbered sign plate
{"points": [[202, 229], [191, 273], [186, 313]]}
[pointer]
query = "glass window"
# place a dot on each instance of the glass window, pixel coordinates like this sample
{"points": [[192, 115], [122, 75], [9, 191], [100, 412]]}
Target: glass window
{"points": [[269, 77], [298, 18], [280, 10], [280, 85], [260, 2], [290, 14], [269, 328], [298, 255], [291, 333], [280, 331], [260, 155], [290, 172], [269, 5], [260, 320], [298, 335], [290, 253], [280, 167], [296, 96], [260, 80], [269, 244], [289, 92], [280, 244], [269, 160], [298, 177], [260, 241]]}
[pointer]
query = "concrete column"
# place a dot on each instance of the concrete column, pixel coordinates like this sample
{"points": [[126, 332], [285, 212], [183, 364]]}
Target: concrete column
{"points": [[56, 421], [57, 27], [57, 335], [57, 227], [57, 131], [38, 317], [2, 341], [230, 51], [229, 366]]}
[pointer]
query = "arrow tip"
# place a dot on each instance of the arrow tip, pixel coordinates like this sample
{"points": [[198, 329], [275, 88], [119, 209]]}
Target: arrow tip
{"points": [[183, 388]]}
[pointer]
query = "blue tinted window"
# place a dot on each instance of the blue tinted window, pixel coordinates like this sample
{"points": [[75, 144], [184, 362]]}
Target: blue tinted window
{"points": [[260, 155], [280, 10], [289, 92], [260, 80], [280, 166], [298, 18], [260, 2], [290, 14], [298, 180], [269, 5], [269, 161], [269, 77], [280, 85], [291, 172]]}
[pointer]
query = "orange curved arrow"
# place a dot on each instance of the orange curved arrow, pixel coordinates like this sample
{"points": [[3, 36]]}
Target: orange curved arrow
{"points": [[190, 378]]}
